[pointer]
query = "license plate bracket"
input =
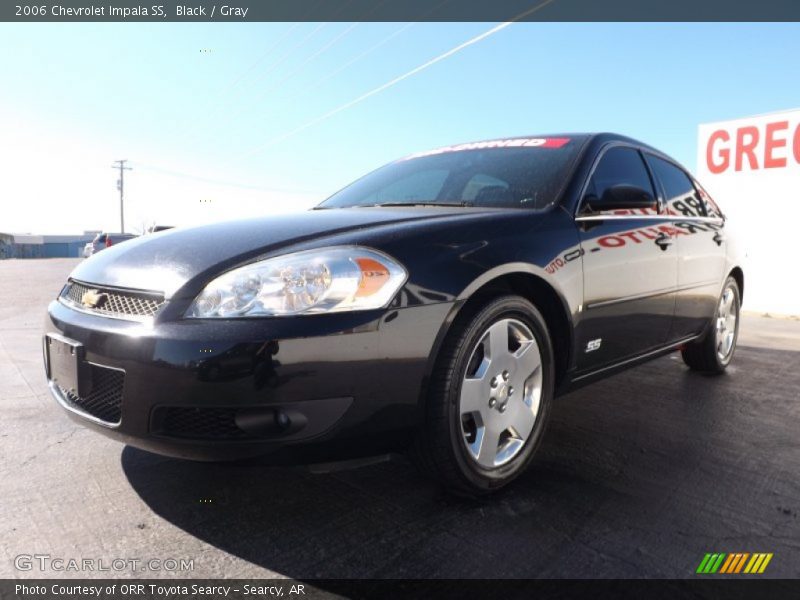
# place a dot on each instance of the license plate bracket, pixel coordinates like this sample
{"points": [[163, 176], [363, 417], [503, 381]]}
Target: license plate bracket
{"points": [[66, 364]]}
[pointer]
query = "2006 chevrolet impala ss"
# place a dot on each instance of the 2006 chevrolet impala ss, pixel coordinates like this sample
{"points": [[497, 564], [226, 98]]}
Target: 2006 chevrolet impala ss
{"points": [[438, 304]]}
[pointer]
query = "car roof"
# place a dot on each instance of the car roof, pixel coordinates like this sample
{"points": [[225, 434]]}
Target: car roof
{"points": [[606, 136], [603, 138]]}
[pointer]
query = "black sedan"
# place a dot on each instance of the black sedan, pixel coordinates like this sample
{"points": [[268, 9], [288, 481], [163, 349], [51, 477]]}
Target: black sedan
{"points": [[438, 305]]}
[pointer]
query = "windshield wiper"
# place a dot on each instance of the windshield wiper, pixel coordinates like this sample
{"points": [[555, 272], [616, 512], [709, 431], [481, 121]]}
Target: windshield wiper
{"points": [[417, 203]]}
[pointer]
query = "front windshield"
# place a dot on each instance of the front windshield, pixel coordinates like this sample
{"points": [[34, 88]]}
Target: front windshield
{"points": [[514, 173]]}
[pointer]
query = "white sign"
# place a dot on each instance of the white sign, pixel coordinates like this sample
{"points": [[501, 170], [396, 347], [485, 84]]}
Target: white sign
{"points": [[751, 167]]}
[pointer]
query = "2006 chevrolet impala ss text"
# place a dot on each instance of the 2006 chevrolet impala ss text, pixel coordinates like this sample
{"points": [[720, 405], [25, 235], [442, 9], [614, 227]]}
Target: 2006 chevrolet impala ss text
{"points": [[438, 304]]}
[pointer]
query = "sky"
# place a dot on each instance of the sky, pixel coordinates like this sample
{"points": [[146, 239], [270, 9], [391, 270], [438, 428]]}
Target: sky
{"points": [[222, 121]]}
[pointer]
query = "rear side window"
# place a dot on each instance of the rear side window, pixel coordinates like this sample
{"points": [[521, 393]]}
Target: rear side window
{"points": [[712, 210], [619, 166], [679, 192]]}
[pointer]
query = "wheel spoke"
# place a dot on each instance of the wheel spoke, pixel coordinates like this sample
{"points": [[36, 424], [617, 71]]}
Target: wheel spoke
{"points": [[523, 419], [488, 451], [509, 449], [727, 300], [498, 339], [728, 343], [474, 396], [727, 313], [475, 446], [528, 359]]}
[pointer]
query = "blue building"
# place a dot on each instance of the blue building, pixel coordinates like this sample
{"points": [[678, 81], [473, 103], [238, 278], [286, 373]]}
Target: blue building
{"points": [[43, 246]]}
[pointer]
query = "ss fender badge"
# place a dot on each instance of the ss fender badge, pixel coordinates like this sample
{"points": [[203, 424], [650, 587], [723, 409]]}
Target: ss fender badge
{"points": [[594, 345]]}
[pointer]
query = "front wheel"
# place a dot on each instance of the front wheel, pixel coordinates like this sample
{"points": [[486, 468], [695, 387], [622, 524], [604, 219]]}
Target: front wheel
{"points": [[715, 351], [490, 397]]}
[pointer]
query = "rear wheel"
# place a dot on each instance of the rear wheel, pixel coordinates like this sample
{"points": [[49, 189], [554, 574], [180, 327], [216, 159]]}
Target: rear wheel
{"points": [[715, 351], [490, 397]]}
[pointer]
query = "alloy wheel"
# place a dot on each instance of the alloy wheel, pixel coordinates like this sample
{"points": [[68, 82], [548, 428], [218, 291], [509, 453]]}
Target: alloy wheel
{"points": [[501, 393], [727, 315]]}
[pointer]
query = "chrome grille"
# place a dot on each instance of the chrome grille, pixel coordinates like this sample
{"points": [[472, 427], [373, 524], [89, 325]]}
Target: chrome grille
{"points": [[121, 304], [104, 402]]}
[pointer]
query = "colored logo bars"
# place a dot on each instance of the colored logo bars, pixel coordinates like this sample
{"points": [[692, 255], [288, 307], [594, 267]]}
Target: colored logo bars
{"points": [[734, 563]]}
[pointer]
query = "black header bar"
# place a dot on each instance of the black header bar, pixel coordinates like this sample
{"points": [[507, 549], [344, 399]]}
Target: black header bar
{"points": [[159, 11]]}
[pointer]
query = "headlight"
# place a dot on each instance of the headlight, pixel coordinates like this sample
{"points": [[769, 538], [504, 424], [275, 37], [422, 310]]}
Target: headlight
{"points": [[316, 281]]}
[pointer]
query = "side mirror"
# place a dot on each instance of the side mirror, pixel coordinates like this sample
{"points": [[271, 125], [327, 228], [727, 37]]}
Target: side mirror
{"points": [[622, 197]]}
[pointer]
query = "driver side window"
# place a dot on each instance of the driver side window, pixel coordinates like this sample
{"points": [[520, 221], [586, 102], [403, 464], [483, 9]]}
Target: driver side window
{"points": [[620, 165]]}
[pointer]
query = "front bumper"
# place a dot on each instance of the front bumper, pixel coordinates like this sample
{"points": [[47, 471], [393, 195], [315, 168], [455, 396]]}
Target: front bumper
{"points": [[316, 387]]}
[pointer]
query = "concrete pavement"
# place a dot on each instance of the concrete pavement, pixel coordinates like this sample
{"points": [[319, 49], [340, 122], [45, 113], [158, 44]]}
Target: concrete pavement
{"points": [[639, 476]]}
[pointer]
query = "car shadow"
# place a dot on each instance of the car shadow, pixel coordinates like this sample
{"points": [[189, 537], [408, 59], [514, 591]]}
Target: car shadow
{"points": [[624, 486]]}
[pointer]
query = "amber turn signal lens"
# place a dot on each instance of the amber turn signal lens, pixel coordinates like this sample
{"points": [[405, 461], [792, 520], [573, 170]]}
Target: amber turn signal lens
{"points": [[374, 276]]}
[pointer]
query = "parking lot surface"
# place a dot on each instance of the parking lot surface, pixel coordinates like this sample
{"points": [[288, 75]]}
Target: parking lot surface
{"points": [[640, 475]]}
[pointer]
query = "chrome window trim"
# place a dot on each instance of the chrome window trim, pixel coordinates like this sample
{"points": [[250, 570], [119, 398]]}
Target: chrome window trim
{"points": [[714, 220]]}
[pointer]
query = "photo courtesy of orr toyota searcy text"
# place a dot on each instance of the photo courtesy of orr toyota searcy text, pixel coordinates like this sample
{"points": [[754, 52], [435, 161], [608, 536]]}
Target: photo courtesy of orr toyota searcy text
{"points": [[160, 590]]}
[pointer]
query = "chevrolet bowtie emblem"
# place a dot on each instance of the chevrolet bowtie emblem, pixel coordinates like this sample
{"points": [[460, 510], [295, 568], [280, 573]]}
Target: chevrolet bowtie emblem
{"points": [[93, 299]]}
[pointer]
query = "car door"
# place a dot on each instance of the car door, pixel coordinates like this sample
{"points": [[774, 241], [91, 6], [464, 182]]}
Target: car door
{"points": [[629, 266], [700, 240]]}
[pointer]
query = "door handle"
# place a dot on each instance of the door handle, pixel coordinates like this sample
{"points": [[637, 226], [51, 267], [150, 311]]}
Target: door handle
{"points": [[718, 238], [663, 241]]}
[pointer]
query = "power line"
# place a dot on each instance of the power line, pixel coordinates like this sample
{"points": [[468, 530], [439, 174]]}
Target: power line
{"points": [[350, 62], [247, 71], [327, 46], [363, 96], [264, 55], [319, 52], [304, 40], [390, 83], [216, 107], [231, 117], [286, 55], [316, 84], [120, 164]]}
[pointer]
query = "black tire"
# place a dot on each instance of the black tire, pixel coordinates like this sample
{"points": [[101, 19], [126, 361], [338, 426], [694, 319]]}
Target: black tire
{"points": [[440, 449], [702, 355]]}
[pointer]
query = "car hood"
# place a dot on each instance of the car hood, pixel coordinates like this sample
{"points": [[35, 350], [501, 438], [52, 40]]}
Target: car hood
{"points": [[166, 261]]}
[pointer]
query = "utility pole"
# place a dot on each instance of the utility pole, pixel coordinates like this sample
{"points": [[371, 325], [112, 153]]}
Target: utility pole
{"points": [[120, 164]]}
